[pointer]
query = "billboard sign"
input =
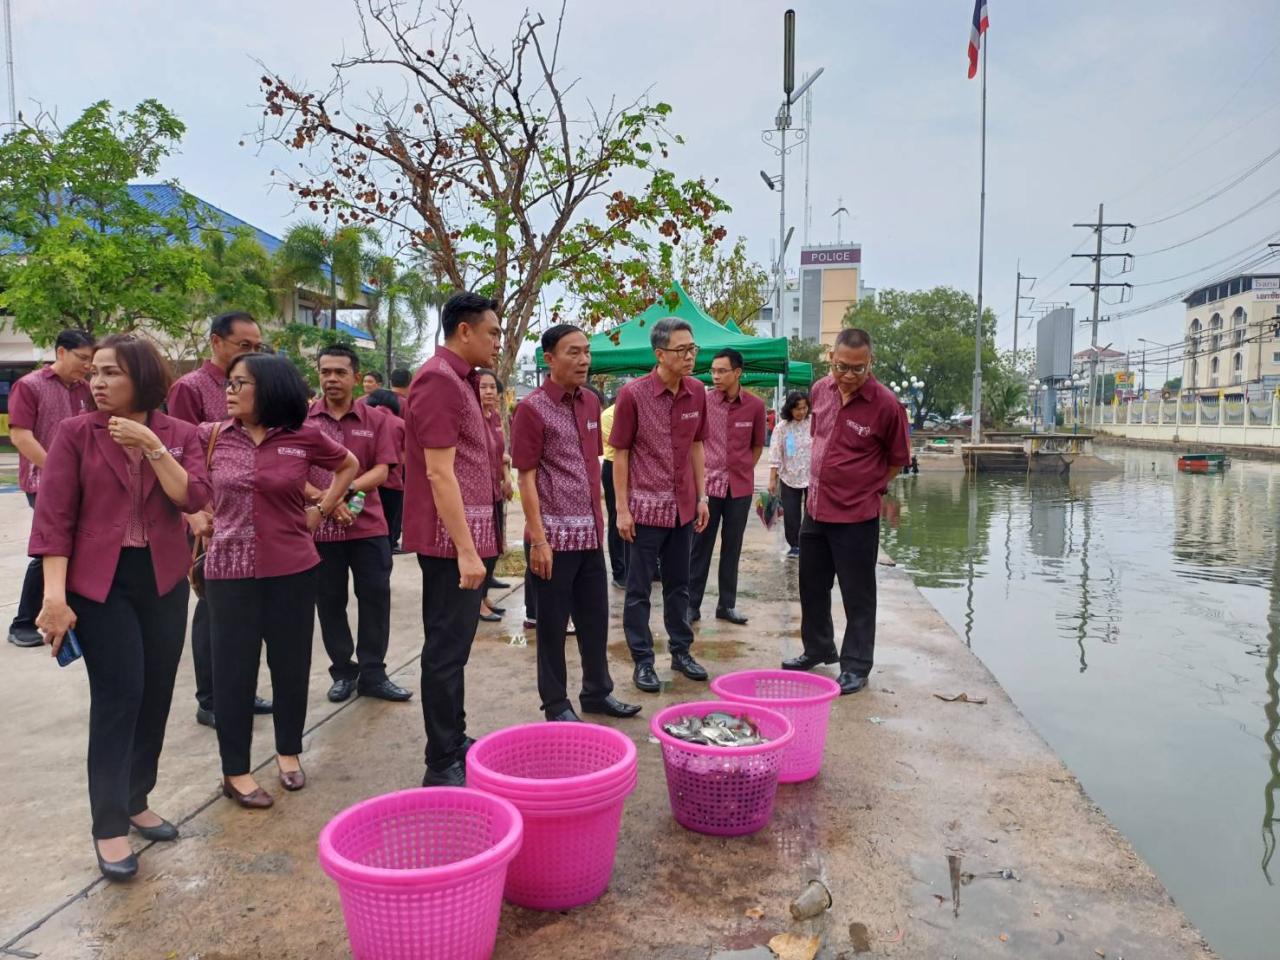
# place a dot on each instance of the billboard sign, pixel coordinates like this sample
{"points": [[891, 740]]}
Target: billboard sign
{"points": [[1053, 344], [833, 256]]}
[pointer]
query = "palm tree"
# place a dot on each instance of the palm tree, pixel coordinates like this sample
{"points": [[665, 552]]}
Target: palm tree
{"points": [[312, 257], [403, 294]]}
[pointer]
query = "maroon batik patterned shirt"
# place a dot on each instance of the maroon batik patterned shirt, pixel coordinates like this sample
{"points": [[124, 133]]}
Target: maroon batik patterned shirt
{"points": [[735, 428], [854, 445], [199, 396], [660, 428], [259, 501], [39, 402], [557, 433], [443, 411], [365, 432]]}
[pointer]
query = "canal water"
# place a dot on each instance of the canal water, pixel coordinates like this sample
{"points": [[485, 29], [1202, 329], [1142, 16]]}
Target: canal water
{"points": [[1135, 620]]}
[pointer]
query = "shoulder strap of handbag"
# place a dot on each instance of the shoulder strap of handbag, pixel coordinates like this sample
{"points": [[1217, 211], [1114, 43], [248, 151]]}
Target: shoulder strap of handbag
{"points": [[208, 453]]}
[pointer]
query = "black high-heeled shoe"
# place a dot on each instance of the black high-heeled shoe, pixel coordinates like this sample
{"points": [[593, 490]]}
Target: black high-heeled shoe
{"points": [[162, 832], [117, 871]]}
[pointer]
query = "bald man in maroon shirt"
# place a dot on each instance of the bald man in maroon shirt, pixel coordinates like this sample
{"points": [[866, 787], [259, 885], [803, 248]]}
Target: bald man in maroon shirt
{"points": [[860, 442]]}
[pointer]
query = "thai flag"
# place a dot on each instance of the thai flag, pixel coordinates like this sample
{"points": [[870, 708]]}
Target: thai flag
{"points": [[975, 35]]}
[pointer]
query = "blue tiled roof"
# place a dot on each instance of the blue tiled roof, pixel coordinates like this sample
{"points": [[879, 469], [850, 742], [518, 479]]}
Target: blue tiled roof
{"points": [[164, 198]]}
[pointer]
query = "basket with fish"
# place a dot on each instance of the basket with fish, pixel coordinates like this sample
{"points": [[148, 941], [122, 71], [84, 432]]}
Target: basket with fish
{"points": [[804, 698], [722, 761], [570, 782]]}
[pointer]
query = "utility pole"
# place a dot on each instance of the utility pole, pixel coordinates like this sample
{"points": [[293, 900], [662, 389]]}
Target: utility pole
{"points": [[8, 61], [1017, 307], [1097, 257]]}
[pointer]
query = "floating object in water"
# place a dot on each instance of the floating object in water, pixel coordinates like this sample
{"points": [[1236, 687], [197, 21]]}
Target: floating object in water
{"points": [[718, 729], [1202, 462]]}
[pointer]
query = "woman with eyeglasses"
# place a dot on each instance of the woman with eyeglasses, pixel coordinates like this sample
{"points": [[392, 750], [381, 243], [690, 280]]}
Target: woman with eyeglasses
{"points": [[110, 530], [260, 567], [490, 388], [789, 465]]}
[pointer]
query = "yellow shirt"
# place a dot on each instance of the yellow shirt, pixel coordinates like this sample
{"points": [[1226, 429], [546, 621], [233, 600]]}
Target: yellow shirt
{"points": [[606, 428]]}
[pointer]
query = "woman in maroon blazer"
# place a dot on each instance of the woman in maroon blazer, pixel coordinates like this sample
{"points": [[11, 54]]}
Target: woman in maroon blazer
{"points": [[109, 526]]}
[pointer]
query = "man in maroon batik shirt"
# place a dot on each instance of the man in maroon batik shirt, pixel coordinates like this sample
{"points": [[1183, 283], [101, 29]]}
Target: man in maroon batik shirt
{"points": [[449, 518], [38, 403], [201, 397], [860, 442], [357, 548], [659, 423], [735, 440], [555, 446]]}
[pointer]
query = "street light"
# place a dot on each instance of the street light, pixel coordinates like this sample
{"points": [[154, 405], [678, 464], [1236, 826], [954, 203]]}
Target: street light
{"points": [[770, 182]]}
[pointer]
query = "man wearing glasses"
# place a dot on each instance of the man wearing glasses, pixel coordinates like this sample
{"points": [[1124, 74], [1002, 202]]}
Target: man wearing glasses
{"points": [[38, 403], [860, 442], [201, 397], [659, 480]]}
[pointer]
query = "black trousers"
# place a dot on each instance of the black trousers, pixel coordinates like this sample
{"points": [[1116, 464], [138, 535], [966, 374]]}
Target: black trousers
{"points": [[491, 563], [794, 500], [734, 511], [449, 619], [618, 548], [530, 590], [242, 615], [132, 642], [671, 546], [578, 588], [368, 560], [847, 551], [202, 654], [32, 597], [393, 509]]}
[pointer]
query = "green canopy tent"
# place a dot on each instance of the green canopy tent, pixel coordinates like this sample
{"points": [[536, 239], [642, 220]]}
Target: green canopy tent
{"points": [[626, 350], [799, 374]]}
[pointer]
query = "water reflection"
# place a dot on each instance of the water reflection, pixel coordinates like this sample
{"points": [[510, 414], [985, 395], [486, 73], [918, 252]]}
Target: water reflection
{"points": [[1135, 620]]}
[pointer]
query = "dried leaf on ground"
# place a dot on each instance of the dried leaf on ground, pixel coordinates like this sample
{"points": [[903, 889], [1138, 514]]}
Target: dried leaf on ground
{"points": [[793, 946], [754, 913], [960, 698]]}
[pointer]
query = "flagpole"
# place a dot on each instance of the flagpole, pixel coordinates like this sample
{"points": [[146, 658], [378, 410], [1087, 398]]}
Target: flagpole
{"points": [[976, 429]]}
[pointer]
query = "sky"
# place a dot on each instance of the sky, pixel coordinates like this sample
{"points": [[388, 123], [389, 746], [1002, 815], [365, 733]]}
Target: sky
{"points": [[1148, 106]]}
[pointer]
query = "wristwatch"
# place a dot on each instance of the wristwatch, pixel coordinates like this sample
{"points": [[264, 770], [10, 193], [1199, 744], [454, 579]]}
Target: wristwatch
{"points": [[155, 454], [704, 499]]}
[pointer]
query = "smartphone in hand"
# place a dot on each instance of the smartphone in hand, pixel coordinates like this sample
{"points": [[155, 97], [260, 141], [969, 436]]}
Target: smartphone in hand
{"points": [[70, 650]]}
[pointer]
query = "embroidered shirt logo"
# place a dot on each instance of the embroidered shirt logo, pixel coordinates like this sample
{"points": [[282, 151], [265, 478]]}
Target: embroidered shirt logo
{"points": [[858, 428], [175, 452], [592, 425], [292, 452], [693, 415], [742, 423], [362, 433]]}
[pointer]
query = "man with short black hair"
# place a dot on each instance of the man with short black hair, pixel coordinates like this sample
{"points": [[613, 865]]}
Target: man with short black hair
{"points": [[201, 397], [860, 442], [351, 544], [372, 381], [735, 440], [449, 519], [38, 403], [555, 446], [658, 428], [400, 380]]}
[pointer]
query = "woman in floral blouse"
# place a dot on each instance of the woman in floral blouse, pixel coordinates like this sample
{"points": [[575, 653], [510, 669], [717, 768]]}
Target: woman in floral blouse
{"points": [[789, 465]]}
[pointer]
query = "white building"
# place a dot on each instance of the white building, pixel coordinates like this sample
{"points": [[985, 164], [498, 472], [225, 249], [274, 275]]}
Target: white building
{"points": [[1231, 342]]}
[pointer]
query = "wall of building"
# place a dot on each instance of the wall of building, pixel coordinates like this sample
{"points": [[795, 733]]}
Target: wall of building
{"points": [[1229, 342]]}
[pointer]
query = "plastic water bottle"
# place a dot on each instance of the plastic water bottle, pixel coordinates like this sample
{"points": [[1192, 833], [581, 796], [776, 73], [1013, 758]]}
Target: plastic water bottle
{"points": [[356, 504]]}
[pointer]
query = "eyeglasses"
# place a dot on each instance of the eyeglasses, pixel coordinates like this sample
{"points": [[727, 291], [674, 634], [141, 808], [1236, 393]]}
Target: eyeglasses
{"points": [[688, 350], [843, 369], [82, 357], [236, 384], [248, 346]]}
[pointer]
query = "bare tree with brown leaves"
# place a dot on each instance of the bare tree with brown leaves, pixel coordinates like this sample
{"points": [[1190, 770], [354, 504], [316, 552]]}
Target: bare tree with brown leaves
{"points": [[482, 163]]}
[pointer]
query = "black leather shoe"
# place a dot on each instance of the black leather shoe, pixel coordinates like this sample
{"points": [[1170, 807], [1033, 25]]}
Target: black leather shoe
{"points": [[498, 584], [732, 615], [384, 689], [850, 683], [26, 637], [646, 678], [117, 870], [205, 717], [498, 610], [619, 584], [611, 706], [162, 832], [807, 662], [491, 617], [691, 668], [341, 691], [695, 616], [454, 775], [466, 744], [262, 707], [565, 716]]}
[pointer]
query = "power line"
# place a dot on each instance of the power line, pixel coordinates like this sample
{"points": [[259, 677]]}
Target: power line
{"points": [[1226, 223], [1235, 182], [1209, 266], [1243, 267]]}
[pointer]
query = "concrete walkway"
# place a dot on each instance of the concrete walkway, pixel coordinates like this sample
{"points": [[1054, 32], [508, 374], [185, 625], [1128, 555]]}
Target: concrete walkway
{"points": [[907, 780]]}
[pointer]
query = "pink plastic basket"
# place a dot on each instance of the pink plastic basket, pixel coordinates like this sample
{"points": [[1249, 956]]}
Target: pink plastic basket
{"points": [[420, 872], [722, 791], [803, 698], [570, 782]]}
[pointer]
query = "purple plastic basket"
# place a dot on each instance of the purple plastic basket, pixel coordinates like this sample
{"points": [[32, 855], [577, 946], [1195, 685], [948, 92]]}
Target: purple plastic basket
{"points": [[803, 698], [420, 872], [722, 791]]}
